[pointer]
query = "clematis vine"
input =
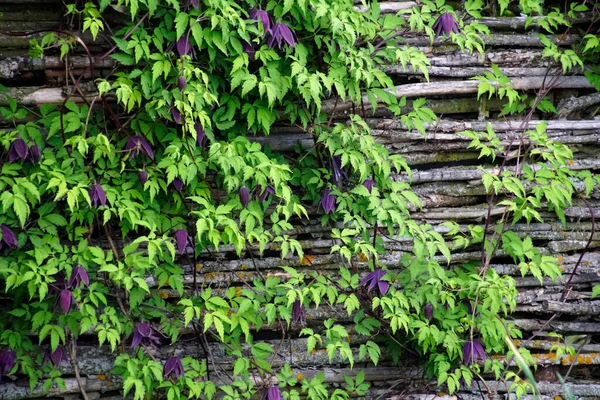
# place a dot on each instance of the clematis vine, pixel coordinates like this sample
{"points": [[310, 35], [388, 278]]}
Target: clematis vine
{"points": [[18, 150], [7, 362], [173, 368], [97, 195], [244, 196], [143, 334], [261, 16], [138, 144], [282, 34], [327, 201], [201, 139], [143, 177], [176, 115], [473, 351], [181, 239], [298, 313], [55, 357], [375, 280], [177, 184], [35, 154], [336, 169], [191, 3], [184, 47], [65, 299], [79, 275], [445, 25], [369, 184], [9, 239], [263, 195], [249, 49], [428, 311], [273, 393], [181, 83]]}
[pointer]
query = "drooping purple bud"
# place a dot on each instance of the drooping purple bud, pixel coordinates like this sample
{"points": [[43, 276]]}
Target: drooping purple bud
{"points": [[18, 150], [97, 195], [273, 393], [261, 16], [336, 169], [249, 49], [142, 177], [375, 280], [298, 313], [428, 311], [177, 184], [173, 367], [263, 195], [181, 239], [192, 3], [7, 362], [445, 24], [327, 201], [176, 115], [56, 357], [78, 276], [201, 138], [137, 144], [8, 237], [244, 196], [473, 351], [35, 154], [65, 299], [282, 34], [184, 47], [369, 184], [143, 334], [181, 82]]}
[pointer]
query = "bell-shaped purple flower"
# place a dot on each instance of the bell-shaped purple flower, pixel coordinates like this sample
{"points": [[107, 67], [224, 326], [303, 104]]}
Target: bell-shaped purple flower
{"points": [[298, 313], [181, 82], [369, 184], [55, 357], [181, 239], [65, 299], [176, 115], [8, 237], [143, 334], [261, 16], [282, 34], [428, 311], [249, 49], [7, 362], [244, 196], [184, 47], [201, 139], [374, 280], [174, 368], [327, 201], [78, 276], [137, 144], [273, 393], [263, 195], [142, 177], [18, 150], [97, 195], [445, 24], [473, 351], [336, 169], [177, 184], [35, 154]]}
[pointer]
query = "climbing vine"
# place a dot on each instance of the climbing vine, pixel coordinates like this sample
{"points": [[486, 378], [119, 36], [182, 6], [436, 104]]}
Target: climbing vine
{"points": [[115, 205]]}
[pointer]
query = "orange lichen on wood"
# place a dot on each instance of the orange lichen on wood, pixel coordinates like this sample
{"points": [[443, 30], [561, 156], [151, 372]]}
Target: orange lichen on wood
{"points": [[363, 257], [307, 260]]}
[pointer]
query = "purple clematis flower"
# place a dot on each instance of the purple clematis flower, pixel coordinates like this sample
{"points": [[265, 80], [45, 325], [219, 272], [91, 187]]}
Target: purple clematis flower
{"points": [[181, 239], [336, 169], [97, 195], [184, 47], [142, 177], [428, 311], [173, 367], [273, 393], [244, 196], [143, 334], [282, 34], [35, 154], [78, 276], [327, 201], [191, 3], [65, 298], [7, 362], [176, 115], [181, 82], [249, 49], [369, 184], [8, 237], [18, 150], [56, 357], [201, 138], [298, 313], [374, 280], [137, 144], [177, 184], [262, 16], [445, 24], [263, 195], [473, 351]]}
